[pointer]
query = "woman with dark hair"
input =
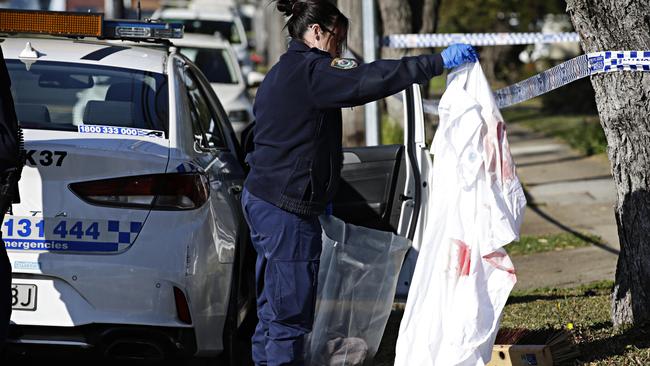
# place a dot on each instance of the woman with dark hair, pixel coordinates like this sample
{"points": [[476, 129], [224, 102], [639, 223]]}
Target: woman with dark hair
{"points": [[296, 161]]}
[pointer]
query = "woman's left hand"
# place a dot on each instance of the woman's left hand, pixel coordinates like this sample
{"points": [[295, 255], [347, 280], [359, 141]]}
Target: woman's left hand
{"points": [[458, 54]]}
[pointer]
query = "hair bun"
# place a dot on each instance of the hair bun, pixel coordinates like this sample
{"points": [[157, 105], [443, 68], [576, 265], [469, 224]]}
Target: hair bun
{"points": [[291, 7], [286, 6]]}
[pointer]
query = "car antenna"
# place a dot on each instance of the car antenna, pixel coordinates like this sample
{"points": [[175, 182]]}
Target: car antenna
{"points": [[138, 11]]}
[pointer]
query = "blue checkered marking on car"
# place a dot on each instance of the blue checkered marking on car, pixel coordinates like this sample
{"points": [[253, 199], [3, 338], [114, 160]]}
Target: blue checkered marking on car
{"points": [[68, 234], [124, 237]]}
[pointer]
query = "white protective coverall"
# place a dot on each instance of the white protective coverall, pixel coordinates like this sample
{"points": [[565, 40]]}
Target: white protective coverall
{"points": [[463, 276]]}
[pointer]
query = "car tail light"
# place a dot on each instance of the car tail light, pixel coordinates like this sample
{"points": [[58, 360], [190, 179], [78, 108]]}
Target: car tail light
{"points": [[177, 191], [182, 307]]}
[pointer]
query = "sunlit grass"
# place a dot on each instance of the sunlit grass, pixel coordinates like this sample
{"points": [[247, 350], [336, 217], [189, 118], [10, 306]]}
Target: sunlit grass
{"points": [[529, 244]]}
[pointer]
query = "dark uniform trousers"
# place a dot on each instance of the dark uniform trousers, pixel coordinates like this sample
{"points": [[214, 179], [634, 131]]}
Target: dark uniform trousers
{"points": [[288, 256]]}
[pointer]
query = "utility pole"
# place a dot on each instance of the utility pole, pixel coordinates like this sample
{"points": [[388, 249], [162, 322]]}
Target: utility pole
{"points": [[370, 54], [114, 9]]}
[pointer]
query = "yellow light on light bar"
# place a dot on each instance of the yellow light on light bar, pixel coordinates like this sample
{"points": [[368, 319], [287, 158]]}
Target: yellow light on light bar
{"points": [[51, 22]]}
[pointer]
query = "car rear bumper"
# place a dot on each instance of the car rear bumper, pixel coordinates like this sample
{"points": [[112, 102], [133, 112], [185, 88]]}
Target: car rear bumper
{"points": [[113, 341], [136, 287]]}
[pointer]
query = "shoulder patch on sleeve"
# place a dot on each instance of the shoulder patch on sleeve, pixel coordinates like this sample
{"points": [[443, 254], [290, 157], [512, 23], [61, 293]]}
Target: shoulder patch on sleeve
{"points": [[344, 63]]}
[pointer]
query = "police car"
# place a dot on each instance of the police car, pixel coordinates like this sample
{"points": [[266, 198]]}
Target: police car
{"points": [[212, 18], [129, 238], [216, 58]]}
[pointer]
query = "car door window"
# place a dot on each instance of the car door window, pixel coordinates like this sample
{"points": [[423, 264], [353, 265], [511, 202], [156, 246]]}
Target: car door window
{"points": [[220, 116], [205, 126]]}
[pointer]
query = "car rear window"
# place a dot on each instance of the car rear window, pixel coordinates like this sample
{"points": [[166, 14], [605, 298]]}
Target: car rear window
{"points": [[227, 29], [63, 96], [214, 63]]}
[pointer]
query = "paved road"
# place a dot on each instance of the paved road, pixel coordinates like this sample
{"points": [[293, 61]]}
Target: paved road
{"points": [[567, 192]]}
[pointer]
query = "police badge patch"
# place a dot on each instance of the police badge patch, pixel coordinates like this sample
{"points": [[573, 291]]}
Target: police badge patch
{"points": [[344, 63]]}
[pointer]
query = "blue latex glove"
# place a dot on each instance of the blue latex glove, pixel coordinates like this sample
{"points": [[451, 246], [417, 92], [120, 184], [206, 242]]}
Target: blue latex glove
{"points": [[458, 54]]}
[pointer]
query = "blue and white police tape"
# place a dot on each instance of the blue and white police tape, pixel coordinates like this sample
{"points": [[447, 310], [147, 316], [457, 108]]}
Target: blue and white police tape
{"points": [[572, 70], [563, 74], [475, 39]]}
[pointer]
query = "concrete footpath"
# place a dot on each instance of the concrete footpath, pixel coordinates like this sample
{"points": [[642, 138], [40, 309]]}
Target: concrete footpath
{"points": [[567, 192]]}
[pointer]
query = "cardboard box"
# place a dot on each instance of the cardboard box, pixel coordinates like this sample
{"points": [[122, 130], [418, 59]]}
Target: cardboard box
{"points": [[521, 355]]}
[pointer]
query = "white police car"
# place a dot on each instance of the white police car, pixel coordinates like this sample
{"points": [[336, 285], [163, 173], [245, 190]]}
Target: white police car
{"points": [[212, 18], [129, 237], [216, 58]]}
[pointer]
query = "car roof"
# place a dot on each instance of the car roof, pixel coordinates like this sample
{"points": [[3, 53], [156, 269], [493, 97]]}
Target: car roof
{"points": [[212, 13], [201, 40], [89, 51], [213, 3]]}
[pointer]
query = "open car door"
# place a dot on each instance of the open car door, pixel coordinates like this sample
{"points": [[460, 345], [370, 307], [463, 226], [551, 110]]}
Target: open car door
{"points": [[385, 187]]}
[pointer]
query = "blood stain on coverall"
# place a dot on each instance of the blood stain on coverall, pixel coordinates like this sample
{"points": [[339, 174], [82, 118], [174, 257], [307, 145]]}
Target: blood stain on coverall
{"points": [[464, 257]]}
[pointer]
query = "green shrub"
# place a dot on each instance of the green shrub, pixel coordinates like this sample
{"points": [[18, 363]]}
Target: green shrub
{"points": [[588, 137], [391, 131]]}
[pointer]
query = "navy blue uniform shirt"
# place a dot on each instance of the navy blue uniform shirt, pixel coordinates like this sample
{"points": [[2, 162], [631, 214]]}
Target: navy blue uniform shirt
{"points": [[296, 161]]}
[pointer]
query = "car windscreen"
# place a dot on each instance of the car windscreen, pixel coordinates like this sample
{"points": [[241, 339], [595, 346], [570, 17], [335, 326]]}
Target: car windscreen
{"points": [[63, 96], [227, 29], [215, 64]]}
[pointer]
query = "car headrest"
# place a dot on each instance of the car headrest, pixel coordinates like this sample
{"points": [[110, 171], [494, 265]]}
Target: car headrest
{"points": [[32, 113], [125, 92], [109, 113]]}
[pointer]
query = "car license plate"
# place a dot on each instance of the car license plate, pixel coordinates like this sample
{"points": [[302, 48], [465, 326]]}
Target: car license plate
{"points": [[23, 297]]}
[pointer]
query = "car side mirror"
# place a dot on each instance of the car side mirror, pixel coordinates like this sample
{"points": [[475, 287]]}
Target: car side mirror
{"points": [[254, 79]]}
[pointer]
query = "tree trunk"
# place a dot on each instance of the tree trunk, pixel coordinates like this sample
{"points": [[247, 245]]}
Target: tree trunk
{"points": [[396, 18], [430, 16], [353, 118], [624, 109]]}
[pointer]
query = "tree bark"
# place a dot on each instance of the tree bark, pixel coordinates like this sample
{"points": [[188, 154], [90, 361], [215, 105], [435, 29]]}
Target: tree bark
{"points": [[396, 18], [623, 100], [353, 118], [430, 16]]}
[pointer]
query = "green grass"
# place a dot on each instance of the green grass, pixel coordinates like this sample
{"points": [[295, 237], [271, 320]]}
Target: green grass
{"points": [[438, 85], [391, 131], [583, 311], [529, 244], [582, 132], [557, 308]]}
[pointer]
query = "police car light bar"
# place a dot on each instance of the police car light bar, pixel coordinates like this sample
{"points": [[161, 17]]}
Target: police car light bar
{"points": [[71, 24], [136, 29], [51, 22]]}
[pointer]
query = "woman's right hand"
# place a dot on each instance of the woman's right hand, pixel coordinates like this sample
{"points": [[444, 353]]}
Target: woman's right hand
{"points": [[458, 54]]}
